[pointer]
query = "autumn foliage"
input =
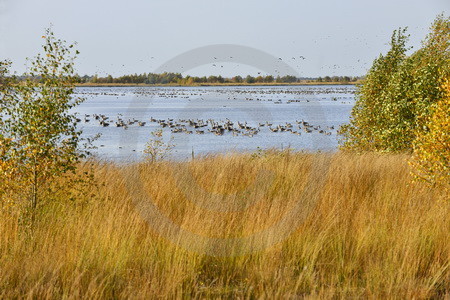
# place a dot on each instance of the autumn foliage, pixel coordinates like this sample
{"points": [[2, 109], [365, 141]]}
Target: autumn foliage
{"points": [[403, 105], [431, 159]]}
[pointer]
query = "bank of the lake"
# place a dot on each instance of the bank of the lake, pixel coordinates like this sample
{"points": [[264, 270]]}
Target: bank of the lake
{"points": [[306, 83]]}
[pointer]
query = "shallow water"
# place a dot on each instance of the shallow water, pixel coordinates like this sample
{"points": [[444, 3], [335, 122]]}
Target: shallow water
{"points": [[325, 108]]}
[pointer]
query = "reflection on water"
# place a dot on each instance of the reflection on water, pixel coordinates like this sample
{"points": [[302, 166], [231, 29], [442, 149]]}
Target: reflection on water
{"points": [[214, 119]]}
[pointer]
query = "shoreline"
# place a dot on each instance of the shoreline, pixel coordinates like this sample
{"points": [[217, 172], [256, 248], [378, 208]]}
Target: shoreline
{"points": [[212, 84]]}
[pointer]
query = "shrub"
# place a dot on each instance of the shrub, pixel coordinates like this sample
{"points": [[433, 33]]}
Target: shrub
{"points": [[39, 138], [156, 148], [396, 99]]}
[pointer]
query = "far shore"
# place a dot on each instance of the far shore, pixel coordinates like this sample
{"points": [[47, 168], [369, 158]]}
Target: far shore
{"points": [[306, 83]]}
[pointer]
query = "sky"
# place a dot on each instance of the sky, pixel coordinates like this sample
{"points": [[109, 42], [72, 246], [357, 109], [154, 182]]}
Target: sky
{"points": [[136, 36]]}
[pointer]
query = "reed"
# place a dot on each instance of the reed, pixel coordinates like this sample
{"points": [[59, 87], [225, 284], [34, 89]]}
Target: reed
{"points": [[366, 231]]}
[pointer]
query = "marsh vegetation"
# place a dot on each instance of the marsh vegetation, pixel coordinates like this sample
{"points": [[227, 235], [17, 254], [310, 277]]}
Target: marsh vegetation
{"points": [[369, 221]]}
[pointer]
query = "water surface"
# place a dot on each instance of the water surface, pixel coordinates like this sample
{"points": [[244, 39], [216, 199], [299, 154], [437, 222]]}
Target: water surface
{"points": [[322, 108]]}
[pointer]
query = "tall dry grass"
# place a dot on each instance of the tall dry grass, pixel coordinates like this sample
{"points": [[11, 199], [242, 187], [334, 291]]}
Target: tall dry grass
{"points": [[365, 231]]}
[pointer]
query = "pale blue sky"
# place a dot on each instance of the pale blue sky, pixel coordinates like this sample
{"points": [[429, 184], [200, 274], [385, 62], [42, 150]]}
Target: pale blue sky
{"points": [[118, 37]]}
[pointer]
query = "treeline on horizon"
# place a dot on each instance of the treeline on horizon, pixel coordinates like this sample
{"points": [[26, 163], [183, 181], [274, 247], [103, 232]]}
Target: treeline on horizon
{"points": [[177, 78]]}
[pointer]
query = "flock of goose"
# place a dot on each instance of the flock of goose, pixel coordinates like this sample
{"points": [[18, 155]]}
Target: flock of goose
{"points": [[277, 96], [216, 127]]}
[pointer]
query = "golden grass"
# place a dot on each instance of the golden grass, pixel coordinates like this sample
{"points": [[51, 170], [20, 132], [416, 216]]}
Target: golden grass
{"points": [[365, 231]]}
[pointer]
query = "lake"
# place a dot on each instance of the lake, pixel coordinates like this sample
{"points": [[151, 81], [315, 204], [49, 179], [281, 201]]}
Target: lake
{"points": [[204, 120]]}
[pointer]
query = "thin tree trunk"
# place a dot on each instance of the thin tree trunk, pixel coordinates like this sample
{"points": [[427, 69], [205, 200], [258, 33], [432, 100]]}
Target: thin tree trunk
{"points": [[34, 199]]}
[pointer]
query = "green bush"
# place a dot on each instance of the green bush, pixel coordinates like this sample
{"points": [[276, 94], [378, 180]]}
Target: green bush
{"points": [[396, 100], [39, 139]]}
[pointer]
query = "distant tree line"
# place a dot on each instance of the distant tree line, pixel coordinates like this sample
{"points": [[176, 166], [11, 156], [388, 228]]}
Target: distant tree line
{"points": [[177, 78], [338, 79]]}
